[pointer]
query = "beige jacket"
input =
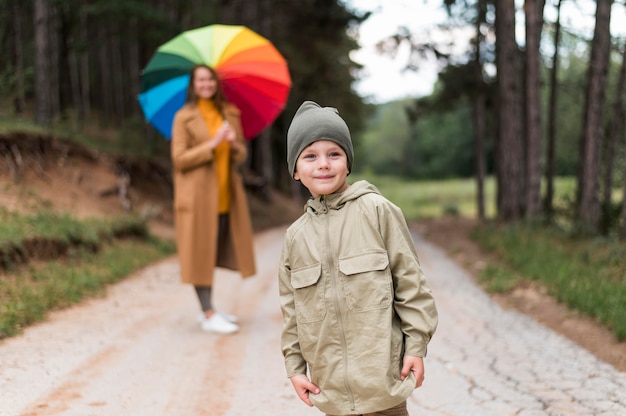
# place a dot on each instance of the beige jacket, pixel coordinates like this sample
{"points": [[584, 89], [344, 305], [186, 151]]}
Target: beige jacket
{"points": [[195, 201], [354, 301]]}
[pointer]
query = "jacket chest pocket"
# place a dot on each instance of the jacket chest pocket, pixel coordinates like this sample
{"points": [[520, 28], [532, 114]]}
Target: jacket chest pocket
{"points": [[366, 281], [308, 294]]}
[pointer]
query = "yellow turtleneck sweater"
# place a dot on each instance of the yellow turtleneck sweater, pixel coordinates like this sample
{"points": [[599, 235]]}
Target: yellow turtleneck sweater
{"points": [[221, 154]]}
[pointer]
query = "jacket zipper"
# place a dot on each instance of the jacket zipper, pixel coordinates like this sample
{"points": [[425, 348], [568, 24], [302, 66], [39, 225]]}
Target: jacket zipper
{"points": [[332, 267]]}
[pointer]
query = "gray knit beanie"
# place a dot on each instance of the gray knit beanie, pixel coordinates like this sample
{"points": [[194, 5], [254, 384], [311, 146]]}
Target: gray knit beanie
{"points": [[312, 123]]}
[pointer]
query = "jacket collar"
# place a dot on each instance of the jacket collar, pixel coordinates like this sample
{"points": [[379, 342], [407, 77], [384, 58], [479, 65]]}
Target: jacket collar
{"points": [[324, 203]]}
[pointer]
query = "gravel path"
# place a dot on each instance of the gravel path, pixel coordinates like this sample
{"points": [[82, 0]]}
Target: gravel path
{"points": [[487, 361], [139, 351]]}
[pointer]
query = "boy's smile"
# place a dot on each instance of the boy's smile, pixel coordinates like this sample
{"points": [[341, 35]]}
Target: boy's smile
{"points": [[323, 168]]}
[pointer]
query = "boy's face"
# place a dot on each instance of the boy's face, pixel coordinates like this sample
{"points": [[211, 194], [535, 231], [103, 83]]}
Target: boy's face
{"points": [[323, 168]]}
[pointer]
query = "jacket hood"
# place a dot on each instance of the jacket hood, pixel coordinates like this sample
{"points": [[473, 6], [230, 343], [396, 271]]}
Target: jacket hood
{"points": [[323, 203]]}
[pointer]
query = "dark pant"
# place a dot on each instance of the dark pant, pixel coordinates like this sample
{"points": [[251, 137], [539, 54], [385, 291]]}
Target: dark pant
{"points": [[399, 410], [204, 292], [222, 235], [204, 296]]}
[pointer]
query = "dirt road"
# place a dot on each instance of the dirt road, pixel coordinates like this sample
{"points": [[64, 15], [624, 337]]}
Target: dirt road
{"points": [[139, 351]]}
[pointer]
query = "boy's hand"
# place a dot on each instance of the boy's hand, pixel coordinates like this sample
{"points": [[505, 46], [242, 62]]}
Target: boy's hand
{"points": [[415, 365], [303, 386]]}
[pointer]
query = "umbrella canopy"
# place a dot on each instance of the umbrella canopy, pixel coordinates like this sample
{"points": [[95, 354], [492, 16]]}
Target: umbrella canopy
{"points": [[253, 74]]}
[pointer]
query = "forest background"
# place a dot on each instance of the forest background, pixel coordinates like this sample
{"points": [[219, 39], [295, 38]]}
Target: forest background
{"points": [[521, 112], [524, 112]]}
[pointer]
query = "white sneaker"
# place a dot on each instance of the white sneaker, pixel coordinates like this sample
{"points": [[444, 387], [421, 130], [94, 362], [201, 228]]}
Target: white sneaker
{"points": [[217, 323], [230, 318]]}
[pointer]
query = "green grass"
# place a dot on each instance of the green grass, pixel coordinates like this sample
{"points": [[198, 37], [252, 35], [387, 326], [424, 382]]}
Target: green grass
{"points": [[50, 225], [89, 255], [588, 275], [435, 198], [431, 199], [28, 295], [498, 279]]}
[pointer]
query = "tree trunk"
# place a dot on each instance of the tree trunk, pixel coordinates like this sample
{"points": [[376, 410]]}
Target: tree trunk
{"points": [[257, 16], [55, 60], [72, 64], [134, 65], [479, 116], [587, 194], [106, 100], [616, 130], [85, 85], [479, 150], [18, 61], [624, 201], [550, 151], [73, 69], [410, 159], [534, 23], [509, 153], [116, 70], [43, 93]]}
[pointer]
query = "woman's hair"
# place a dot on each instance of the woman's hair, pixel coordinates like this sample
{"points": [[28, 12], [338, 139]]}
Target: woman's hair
{"points": [[219, 98]]}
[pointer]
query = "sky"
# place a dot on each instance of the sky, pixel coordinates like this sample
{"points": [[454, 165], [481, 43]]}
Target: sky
{"points": [[384, 79]]}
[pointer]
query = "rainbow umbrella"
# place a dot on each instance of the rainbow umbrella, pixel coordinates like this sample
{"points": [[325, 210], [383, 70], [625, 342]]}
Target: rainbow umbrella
{"points": [[253, 73]]}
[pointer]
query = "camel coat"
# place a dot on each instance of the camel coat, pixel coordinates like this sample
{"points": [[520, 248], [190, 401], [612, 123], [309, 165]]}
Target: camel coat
{"points": [[195, 200]]}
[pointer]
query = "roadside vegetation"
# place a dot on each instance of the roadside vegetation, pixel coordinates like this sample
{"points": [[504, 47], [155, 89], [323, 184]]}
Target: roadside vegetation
{"points": [[50, 261], [588, 274], [422, 199]]}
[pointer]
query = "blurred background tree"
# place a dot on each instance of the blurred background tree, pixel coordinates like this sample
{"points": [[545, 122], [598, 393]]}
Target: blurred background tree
{"points": [[548, 104], [518, 122]]}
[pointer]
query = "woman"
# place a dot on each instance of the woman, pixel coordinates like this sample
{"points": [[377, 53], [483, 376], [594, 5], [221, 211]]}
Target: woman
{"points": [[213, 227]]}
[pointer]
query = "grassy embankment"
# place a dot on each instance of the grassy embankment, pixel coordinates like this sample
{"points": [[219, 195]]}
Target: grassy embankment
{"points": [[50, 261], [587, 274]]}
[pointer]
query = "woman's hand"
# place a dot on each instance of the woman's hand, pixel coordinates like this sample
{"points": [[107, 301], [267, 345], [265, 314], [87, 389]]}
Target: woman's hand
{"points": [[303, 386], [225, 132]]}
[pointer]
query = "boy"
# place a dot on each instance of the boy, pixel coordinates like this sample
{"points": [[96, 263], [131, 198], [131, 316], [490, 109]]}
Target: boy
{"points": [[357, 310]]}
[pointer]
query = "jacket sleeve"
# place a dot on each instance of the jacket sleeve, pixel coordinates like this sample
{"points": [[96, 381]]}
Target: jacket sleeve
{"points": [[294, 362], [185, 156], [413, 300]]}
